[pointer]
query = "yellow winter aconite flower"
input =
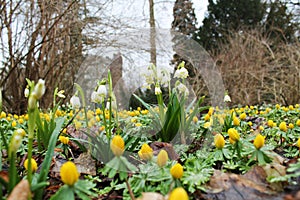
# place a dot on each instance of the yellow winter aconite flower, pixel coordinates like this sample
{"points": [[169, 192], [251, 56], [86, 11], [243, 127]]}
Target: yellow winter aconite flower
{"points": [[176, 171], [259, 141], [146, 152], [250, 123], [195, 119], [207, 117], [291, 126], [282, 126], [162, 158], [233, 134], [117, 145], [243, 116], [270, 123], [63, 139], [261, 128], [178, 194], [33, 165], [219, 141], [298, 122], [68, 173], [236, 121], [206, 125], [210, 111], [298, 143], [138, 124], [14, 124]]}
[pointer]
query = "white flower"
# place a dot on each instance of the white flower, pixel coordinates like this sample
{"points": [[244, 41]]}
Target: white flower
{"points": [[60, 94], [75, 102], [181, 73], [26, 92], [163, 77], [39, 89], [31, 102], [227, 98], [102, 90], [97, 97], [157, 90], [183, 89]]}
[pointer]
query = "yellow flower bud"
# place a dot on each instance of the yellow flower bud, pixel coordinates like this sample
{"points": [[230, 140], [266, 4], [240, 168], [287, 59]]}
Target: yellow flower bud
{"points": [[298, 122], [63, 139], [210, 111], [176, 171], [291, 126], [207, 117], [34, 166], [195, 119], [261, 128], [270, 123], [236, 121], [282, 126], [68, 173], [219, 141], [146, 152], [178, 194], [243, 116], [259, 141], [162, 158], [117, 145], [14, 123], [298, 143], [233, 134], [3, 115]]}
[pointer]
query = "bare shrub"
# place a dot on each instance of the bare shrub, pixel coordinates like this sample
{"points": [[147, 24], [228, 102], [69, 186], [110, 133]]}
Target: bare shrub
{"points": [[256, 71]]}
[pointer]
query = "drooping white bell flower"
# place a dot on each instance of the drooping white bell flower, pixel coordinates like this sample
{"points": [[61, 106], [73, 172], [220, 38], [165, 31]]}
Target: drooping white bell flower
{"points": [[181, 73], [183, 89], [97, 97], [39, 89], [227, 98], [157, 90], [102, 90], [75, 102]]}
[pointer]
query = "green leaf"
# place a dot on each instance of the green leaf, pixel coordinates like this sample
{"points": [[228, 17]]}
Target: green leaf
{"points": [[64, 192], [48, 158]]}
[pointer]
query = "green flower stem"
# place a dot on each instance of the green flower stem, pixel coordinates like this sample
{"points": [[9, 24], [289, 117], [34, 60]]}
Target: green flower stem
{"points": [[12, 171], [160, 108], [104, 119], [110, 95], [109, 117], [31, 125], [83, 102]]}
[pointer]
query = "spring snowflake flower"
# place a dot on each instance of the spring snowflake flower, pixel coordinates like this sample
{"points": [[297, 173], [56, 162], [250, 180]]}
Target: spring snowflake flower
{"points": [[157, 90], [34, 166], [259, 141], [117, 145], [146, 152], [181, 73], [39, 89], [178, 193], [219, 141], [182, 89], [162, 158], [227, 98], [75, 102], [176, 171], [68, 173]]}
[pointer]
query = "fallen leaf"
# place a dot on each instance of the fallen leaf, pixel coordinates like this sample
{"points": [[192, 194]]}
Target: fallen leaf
{"points": [[21, 191], [151, 196]]}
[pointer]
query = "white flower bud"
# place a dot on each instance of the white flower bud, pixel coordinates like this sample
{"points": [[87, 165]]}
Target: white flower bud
{"points": [[181, 73], [75, 102], [31, 102], [26, 92], [227, 98], [39, 89], [102, 90], [157, 90]]}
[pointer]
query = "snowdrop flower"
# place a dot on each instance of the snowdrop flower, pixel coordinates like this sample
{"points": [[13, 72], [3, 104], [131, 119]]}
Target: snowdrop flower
{"points": [[96, 97], [75, 102]]}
